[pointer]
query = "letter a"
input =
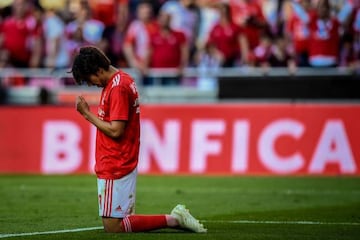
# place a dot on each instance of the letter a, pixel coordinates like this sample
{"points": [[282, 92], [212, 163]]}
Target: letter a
{"points": [[334, 134]]}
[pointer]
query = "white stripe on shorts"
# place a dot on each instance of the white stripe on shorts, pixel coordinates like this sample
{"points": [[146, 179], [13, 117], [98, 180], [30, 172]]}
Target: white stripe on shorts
{"points": [[108, 198]]}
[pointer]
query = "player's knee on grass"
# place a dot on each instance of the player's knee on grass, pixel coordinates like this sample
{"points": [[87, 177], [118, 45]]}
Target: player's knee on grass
{"points": [[112, 225]]}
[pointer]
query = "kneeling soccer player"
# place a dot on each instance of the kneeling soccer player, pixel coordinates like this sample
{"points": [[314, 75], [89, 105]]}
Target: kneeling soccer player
{"points": [[117, 147]]}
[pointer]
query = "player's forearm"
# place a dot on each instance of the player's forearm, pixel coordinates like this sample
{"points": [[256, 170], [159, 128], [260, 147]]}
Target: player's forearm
{"points": [[106, 127]]}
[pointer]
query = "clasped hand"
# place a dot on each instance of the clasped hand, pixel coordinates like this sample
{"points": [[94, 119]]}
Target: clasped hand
{"points": [[81, 105]]}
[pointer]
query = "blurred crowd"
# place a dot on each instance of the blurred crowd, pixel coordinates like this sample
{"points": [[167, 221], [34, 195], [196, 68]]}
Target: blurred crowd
{"points": [[175, 34]]}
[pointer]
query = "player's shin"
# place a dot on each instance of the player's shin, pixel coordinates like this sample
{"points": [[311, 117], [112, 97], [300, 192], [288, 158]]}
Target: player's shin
{"points": [[143, 223]]}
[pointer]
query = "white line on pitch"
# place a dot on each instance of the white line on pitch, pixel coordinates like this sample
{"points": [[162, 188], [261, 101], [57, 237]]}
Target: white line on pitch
{"points": [[49, 232], [205, 221], [283, 222]]}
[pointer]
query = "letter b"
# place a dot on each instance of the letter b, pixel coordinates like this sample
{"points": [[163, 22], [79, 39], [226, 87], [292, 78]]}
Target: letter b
{"points": [[60, 148]]}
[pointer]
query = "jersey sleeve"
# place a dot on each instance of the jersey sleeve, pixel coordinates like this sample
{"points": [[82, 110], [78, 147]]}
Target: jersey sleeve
{"points": [[119, 104]]}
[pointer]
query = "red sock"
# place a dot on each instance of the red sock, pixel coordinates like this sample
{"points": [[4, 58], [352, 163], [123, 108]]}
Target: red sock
{"points": [[143, 223]]}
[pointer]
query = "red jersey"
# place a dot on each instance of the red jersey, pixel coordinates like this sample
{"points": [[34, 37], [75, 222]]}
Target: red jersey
{"points": [[118, 157], [138, 35], [324, 38], [226, 39], [17, 35], [241, 12], [166, 49], [106, 10], [300, 33]]}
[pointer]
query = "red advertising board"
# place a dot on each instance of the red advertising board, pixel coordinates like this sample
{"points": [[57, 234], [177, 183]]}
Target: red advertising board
{"points": [[235, 139]]}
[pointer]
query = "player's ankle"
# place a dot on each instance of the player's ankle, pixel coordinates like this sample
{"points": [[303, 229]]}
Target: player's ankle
{"points": [[171, 221]]}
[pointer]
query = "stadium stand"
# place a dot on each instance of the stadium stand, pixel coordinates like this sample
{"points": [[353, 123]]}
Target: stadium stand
{"points": [[227, 84], [289, 49]]}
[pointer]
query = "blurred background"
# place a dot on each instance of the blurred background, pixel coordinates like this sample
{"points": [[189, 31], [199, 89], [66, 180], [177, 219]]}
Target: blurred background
{"points": [[238, 59], [201, 50]]}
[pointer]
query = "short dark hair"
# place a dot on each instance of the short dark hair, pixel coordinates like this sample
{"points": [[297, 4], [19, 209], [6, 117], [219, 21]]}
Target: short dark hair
{"points": [[87, 62]]}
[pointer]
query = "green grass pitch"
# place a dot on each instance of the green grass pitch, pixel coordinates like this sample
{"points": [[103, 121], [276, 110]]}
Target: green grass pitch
{"points": [[231, 207]]}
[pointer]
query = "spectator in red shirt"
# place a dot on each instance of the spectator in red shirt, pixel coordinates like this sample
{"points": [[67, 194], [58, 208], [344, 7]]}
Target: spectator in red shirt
{"points": [[324, 37], [169, 49], [19, 35], [248, 14], [117, 147], [299, 34], [107, 11], [137, 39], [228, 39]]}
